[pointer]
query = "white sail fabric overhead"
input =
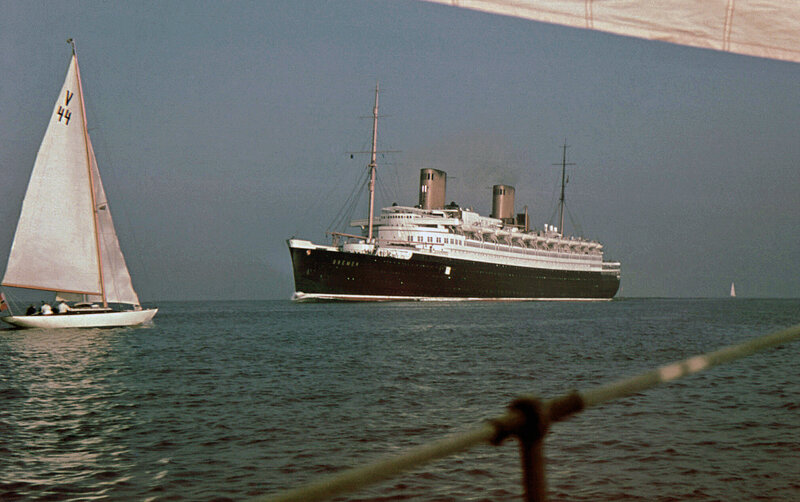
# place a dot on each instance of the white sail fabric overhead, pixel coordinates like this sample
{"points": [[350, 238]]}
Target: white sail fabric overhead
{"points": [[762, 28], [54, 244]]}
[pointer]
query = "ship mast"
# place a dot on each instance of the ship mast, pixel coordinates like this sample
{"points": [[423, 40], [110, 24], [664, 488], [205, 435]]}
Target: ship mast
{"points": [[372, 163], [91, 177], [563, 165]]}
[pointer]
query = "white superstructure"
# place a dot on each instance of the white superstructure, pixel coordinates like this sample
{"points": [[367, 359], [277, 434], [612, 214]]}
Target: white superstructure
{"points": [[464, 234]]}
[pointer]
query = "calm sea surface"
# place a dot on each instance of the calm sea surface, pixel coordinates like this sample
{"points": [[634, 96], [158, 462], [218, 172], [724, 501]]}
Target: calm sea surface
{"points": [[234, 400]]}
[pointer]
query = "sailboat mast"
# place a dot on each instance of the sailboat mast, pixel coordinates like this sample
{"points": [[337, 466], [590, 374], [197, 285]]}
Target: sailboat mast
{"points": [[91, 177], [373, 164]]}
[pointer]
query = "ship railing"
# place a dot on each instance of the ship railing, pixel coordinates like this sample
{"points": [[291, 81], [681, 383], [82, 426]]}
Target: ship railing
{"points": [[349, 237], [528, 419]]}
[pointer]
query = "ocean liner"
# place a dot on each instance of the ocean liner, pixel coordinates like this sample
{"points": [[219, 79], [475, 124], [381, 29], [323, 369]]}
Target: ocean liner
{"points": [[438, 251]]}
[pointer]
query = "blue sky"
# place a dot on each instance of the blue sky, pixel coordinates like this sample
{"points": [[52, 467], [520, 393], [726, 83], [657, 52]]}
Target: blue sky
{"points": [[221, 130]]}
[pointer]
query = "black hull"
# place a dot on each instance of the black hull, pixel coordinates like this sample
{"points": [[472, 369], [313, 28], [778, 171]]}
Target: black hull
{"points": [[324, 274]]}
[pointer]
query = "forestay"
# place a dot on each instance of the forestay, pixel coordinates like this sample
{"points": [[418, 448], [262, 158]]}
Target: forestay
{"points": [[762, 28]]}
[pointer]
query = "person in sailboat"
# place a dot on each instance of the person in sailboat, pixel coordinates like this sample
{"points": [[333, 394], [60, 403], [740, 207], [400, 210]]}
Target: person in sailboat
{"points": [[31, 310], [46, 309], [62, 307]]}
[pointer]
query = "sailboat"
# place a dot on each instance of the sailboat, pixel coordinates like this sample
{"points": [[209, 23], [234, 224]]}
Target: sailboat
{"points": [[733, 291], [65, 240]]}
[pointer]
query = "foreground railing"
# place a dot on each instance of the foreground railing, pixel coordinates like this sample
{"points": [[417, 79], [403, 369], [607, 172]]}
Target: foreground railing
{"points": [[528, 419]]}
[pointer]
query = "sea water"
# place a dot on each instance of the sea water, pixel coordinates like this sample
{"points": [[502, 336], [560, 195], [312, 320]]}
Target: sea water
{"points": [[239, 399]]}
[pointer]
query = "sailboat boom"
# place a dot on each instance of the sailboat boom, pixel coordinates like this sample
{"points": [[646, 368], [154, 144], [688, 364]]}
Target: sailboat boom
{"points": [[58, 290]]}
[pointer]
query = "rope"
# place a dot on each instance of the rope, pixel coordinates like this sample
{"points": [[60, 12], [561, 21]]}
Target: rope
{"points": [[349, 205], [517, 419]]}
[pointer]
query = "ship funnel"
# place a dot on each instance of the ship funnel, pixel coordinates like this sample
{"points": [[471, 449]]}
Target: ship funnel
{"points": [[503, 203], [432, 183]]}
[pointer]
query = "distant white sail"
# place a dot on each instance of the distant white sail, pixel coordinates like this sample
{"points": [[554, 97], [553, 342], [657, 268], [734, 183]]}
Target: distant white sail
{"points": [[54, 244], [763, 28], [733, 291]]}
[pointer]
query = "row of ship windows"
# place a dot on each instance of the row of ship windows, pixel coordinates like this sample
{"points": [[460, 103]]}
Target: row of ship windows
{"points": [[535, 251], [438, 240], [448, 240], [545, 259]]}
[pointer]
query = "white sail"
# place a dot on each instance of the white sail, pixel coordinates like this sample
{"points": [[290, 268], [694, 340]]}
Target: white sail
{"points": [[733, 291], [763, 28], [116, 278], [54, 245]]}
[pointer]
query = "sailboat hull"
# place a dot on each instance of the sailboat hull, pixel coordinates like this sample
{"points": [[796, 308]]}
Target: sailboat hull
{"points": [[89, 320]]}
